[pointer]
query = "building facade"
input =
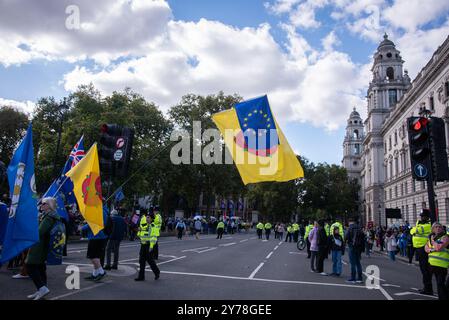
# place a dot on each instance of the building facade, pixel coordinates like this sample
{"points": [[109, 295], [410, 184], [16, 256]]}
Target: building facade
{"points": [[385, 175]]}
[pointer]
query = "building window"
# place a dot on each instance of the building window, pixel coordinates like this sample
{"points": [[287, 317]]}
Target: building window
{"points": [[389, 140], [395, 138], [396, 166], [356, 134], [423, 185], [413, 186], [392, 97], [396, 191], [390, 73], [356, 149], [354, 163], [414, 213], [386, 198], [405, 187], [432, 104], [402, 189], [446, 89], [406, 213], [447, 206], [391, 193]]}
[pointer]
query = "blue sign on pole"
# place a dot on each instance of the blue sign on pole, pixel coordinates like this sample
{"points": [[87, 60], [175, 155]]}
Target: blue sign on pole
{"points": [[420, 170]]}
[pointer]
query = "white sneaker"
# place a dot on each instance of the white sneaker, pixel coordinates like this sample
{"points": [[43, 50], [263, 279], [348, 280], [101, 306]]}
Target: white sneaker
{"points": [[42, 293], [32, 296], [19, 276], [323, 273]]}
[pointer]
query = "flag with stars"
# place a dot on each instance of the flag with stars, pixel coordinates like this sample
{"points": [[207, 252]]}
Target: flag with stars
{"points": [[87, 189], [257, 145]]}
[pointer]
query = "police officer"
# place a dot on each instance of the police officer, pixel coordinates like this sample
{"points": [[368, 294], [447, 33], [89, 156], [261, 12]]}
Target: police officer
{"points": [[148, 238], [338, 225], [306, 237], [268, 227], [220, 229], [437, 248], [260, 227], [289, 233], [158, 225], [327, 227], [295, 227], [420, 235]]}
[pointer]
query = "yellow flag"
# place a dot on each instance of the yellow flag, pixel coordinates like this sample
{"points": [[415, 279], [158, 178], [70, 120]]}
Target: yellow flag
{"points": [[87, 188], [257, 145]]}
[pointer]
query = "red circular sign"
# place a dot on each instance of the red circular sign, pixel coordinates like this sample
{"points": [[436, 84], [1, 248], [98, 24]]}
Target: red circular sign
{"points": [[120, 142]]}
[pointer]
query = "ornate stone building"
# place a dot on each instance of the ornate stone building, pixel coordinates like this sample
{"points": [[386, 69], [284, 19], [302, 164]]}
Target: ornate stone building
{"points": [[385, 174]]}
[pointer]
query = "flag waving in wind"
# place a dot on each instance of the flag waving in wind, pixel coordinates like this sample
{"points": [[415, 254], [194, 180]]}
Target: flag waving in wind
{"points": [[257, 145], [22, 230], [66, 189], [87, 189]]}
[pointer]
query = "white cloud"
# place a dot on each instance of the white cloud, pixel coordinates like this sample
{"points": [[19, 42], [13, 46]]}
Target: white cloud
{"points": [[25, 106], [330, 41], [105, 31], [410, 14]]}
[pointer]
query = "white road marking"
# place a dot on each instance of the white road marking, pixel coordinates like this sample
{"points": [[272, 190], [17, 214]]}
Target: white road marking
{"points": [[210, 249], [265, 240], [391, 285], [170, 260], [78, 264], [371, 276], [255, 271], [300, 253], [418, 294], [385, 293], [253, 238], [265, 280], [227, 244], [415, 289], [195, 249], [269, 255], [80, 290], [280, 243], [276, 247], [244, 240]]}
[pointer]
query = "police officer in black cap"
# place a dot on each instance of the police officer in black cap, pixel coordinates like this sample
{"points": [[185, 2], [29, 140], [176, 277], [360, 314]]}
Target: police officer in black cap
{"points": [[420, 235]]}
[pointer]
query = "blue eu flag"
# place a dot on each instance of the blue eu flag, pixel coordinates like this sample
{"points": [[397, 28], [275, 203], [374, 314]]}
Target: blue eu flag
{"points": [[22, 230]]}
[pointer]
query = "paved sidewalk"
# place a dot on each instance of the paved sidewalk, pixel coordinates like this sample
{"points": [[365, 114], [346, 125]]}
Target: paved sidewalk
{"points": [[398, 256]]}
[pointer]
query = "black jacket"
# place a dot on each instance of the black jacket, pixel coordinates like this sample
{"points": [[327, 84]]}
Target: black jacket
{"points": [[333, 246]]}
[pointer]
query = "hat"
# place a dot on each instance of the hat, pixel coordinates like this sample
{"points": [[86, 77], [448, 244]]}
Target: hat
{"points": [[425, 213]]}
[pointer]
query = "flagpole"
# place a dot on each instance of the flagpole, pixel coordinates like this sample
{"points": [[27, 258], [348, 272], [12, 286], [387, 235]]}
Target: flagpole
{"points": [[139, 170]]}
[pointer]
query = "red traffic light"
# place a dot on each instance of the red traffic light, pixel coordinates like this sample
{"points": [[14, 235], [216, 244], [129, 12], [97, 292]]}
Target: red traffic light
{"points": [[420, 123], [111, 129]]}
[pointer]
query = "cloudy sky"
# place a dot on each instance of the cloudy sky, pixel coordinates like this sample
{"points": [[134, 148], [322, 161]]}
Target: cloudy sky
{"points": [[312, 57]]}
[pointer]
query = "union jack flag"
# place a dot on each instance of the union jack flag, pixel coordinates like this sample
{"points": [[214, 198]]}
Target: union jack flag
{"points": [[77, 152]]}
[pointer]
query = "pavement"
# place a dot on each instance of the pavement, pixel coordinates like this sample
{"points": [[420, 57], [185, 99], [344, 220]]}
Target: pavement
{"points": [[237, 267]]}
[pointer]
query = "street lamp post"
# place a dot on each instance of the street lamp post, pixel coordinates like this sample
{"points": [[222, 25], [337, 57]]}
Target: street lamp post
{"points": [[62, 108], [380, 215]]}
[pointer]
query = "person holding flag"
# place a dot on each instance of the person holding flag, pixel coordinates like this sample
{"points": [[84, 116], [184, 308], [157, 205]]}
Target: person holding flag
{"points": [[87, 189]]}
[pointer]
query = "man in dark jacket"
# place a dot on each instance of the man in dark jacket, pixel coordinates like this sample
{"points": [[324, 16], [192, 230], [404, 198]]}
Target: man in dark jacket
{"points": [[355, 239], [116, 236], [323, 247]]}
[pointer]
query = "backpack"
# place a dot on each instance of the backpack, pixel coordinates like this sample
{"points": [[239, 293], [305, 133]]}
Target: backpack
{"points": [[358, 239], [56, 243]]}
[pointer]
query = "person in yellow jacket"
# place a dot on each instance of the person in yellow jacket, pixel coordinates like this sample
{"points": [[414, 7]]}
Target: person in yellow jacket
{"points": [[268, 227], [437, 249], [289, 233], [306, 237], [338, 225], [260, 226], [158, 225], [220, 229], [420, 235], [295, 227], [148, 238]]}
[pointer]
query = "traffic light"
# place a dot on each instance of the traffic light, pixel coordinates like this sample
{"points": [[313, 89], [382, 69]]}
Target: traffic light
{"points": [[439, 160], [115, 149], [418, 135]]}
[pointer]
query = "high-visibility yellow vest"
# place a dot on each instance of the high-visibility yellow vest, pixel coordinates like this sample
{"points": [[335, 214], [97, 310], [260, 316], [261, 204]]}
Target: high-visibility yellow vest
{"points": [[289, 229], [295, 227], [268, 226], [308, 229], [144, 231], [220, 225], [420, 234], [327, 229], [157, 223], [336, 225], [260, 225], [439, 258], [154, 231]]}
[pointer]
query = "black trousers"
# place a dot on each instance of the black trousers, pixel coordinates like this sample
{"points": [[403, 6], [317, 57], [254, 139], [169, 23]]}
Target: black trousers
{"points": [[267, 234], [144, 257], [308, 248], [180, 231], [113, 246], [440, 276], [322, 254], [295, 236], [220, 233], [410, 253], [155, 252], [423, 259], [38, 273], [288, 237], [259, 233]]}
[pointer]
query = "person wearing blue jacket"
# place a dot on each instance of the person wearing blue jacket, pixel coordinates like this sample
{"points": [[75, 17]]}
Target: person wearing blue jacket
{"points": [[117, 234], [96, 248]]}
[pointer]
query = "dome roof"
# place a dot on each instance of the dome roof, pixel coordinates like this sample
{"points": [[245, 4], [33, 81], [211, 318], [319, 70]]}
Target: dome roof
{"points": [[386, 42], [354, 114]]}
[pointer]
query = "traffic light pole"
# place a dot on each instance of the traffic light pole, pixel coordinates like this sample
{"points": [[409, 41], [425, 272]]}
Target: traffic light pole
{"points": [[431, 197]]}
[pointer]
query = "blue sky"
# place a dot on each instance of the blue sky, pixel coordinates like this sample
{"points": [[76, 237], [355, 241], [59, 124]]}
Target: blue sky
{"points": [[312, 57]]}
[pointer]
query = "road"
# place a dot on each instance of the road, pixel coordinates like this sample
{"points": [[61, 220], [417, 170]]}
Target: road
{"points": [[239, 266]]}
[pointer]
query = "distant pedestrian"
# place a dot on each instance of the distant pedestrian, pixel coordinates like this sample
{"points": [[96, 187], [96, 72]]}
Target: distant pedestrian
{"points": [[337, 250], [313, 238], [260, 227], [355, 240], [180, 227], [197, 226], [323, 247], [289, 234], [116, 237], [267, 227], [220, 229], [281, 230], [309, 228], [391, 244]]}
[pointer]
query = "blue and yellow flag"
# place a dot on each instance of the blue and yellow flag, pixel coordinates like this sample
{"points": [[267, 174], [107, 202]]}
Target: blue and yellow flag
{"points": [[257, 145], [22, 230]]}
